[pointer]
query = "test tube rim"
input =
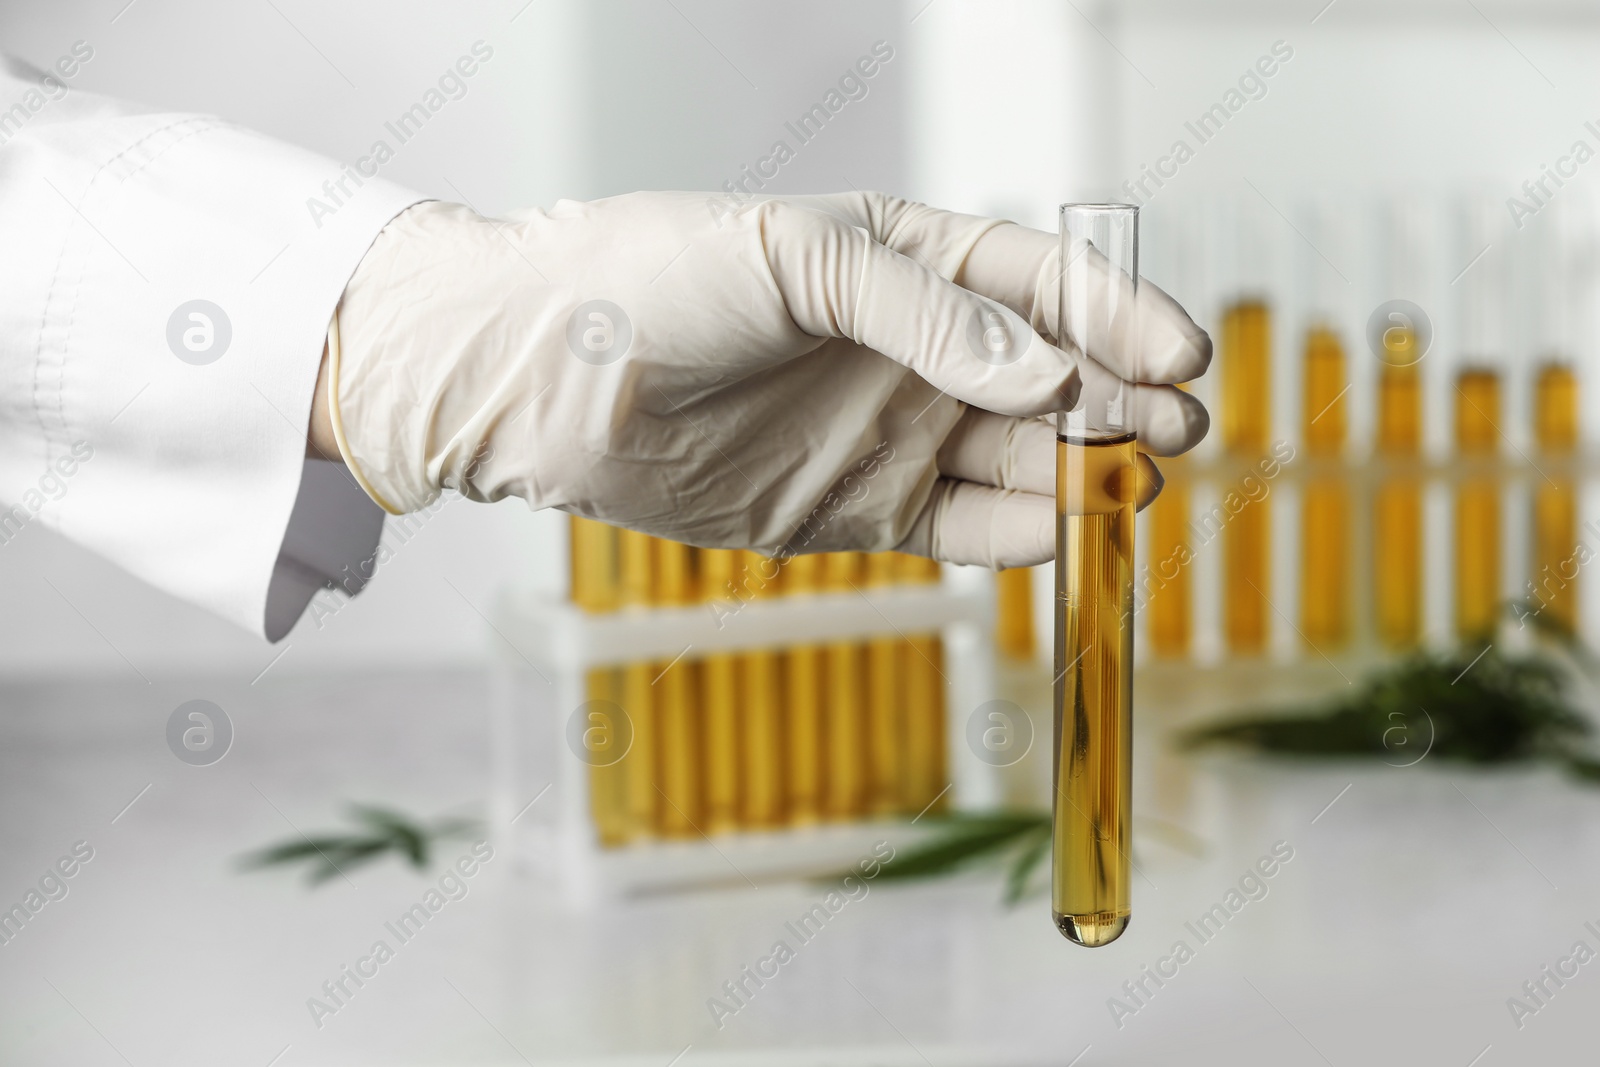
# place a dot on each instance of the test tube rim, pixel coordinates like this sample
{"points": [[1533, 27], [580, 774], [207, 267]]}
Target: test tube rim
{"points": [[1107, 208]]}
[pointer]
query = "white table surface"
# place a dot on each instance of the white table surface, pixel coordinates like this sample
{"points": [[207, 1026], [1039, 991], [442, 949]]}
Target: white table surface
{"points": [[1413, 908]]}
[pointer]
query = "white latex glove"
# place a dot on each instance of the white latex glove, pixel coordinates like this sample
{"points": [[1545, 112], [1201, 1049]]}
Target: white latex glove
{"points": [[794, 377]]}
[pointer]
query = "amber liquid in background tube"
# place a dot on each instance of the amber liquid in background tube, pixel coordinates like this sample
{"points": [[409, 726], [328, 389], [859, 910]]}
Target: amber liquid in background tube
{"points": [[1246, 433], [636, 560], [595, 589], [1477, 556], [1397, 507], [1555, 501], [926, 788], [1094, 688], [761, 689], [1167, 606], [1325, 501], [720, 572]]}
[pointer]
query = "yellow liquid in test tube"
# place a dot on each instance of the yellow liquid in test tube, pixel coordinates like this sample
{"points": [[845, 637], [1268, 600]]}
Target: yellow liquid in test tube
{"points": [[636, 565], [678, 715], [608, 783], [1397, 509], [1247, 377], [719, 688], [761, 687], [594, 588], [885, 691], [1014, 613], [1555, 501], [677, 707], [1325, 507], [594, 564], [1167, 576], [1477, 516], [926, 729], [802, 688], [1094, 691], [1246, 431], [845, 792]]}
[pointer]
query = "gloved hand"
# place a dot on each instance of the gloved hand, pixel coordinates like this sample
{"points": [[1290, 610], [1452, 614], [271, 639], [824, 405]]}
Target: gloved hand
{"points": [[802, 375]]}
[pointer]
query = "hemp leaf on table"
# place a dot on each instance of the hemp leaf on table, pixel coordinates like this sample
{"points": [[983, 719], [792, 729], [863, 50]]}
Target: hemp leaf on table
{"points": [[378, 832], [1487, 708]]}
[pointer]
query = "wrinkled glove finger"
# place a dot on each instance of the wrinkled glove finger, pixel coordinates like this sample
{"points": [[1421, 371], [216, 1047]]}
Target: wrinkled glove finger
{"points": [[837, 282], [939, 240], [968, 523], [1167, 420], [1020, 267], [1002, 451], [1150, 339]]}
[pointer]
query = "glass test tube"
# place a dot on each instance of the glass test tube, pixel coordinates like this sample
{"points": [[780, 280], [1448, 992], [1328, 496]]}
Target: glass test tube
{"points": [[802, 691], [636, 567], [1095, 494], [1477, 556], [1165, 588], [1555, 502], [719, 685], [845, 794], [922, 660], [1014, 613], [1325, 507], [762, 691], [1397, 509], [593, 556], [1167, 585], [885, 717], [1484, 340], [678, 709], [1246, 432]]}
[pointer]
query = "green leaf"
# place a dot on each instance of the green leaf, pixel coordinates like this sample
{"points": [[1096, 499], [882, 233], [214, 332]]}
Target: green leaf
{"points": [[297, 849], [337, 863], [379, 831], [408, 838], [968, 838], [1481, 707]]}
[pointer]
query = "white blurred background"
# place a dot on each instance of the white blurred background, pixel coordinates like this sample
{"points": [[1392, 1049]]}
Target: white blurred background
{"points": [[1004, 108], [1388, 949]]}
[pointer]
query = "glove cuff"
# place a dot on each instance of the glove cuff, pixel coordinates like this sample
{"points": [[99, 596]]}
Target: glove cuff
{"points": [[382, 396], [338, 422]]}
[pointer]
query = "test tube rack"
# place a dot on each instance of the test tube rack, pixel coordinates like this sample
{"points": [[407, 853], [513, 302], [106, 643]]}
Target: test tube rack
{"points": [[1402, 454], [1391, 547], [542, 792]]}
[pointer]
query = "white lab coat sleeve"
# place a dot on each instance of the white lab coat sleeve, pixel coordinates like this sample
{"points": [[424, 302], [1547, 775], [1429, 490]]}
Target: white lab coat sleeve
{"points": [[166, 282]]}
